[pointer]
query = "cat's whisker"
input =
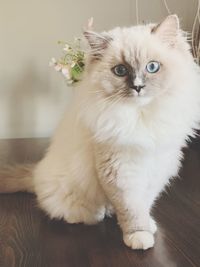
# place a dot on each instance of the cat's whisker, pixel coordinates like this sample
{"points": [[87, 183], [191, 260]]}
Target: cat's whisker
{"points": [[95, 92], [115, 101]]}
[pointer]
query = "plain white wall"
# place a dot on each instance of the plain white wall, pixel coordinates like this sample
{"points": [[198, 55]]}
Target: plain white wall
{"points": [[32, 95]]}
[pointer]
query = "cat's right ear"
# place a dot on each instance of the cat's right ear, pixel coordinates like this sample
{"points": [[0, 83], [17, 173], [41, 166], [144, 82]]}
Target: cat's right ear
{"points": [[168, 30], [97, 42]]}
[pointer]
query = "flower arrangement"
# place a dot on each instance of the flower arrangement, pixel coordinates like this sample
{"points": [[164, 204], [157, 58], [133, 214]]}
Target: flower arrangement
{"points": [[71, 64]]}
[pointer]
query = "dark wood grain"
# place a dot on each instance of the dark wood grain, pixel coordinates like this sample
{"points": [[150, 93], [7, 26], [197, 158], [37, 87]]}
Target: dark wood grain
{"points": [[29, 238]]}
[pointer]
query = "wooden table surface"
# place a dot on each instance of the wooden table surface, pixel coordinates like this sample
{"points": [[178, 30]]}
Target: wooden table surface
{"points": [[29, 238]]}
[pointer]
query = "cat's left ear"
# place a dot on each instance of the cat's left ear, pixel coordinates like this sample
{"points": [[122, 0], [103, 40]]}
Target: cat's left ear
{"points": [[98, 43], [168, 30]]}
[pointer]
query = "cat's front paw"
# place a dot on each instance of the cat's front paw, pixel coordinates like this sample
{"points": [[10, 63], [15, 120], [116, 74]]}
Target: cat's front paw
{"points": [[139, 240]]}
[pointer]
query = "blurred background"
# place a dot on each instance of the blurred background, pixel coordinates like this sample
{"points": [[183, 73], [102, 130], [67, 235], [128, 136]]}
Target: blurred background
{"points": [[32, 95]]}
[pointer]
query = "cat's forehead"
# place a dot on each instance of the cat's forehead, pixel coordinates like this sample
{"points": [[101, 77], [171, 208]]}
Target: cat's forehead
{"points": [[133, 45]]}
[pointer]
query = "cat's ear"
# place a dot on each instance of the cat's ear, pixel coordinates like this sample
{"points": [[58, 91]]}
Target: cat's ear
{"points": [[98, 43], [168, 30]]}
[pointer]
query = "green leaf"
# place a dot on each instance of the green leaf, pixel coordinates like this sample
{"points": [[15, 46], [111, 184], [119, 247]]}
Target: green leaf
{"points": [[76, 72]]}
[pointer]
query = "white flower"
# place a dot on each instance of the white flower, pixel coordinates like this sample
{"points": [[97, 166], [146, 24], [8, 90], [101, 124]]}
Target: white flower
{"points": [[77, 39], [70, 82], [58, 67], [66, 48], [66, 73], [73, 64], [52, 62]]}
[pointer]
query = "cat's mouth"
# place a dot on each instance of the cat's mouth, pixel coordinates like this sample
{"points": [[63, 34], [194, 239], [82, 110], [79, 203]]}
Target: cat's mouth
{"points": [[135, 93]]}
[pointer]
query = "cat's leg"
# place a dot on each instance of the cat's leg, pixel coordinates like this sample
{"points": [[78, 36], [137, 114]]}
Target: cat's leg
{"points": [[136, 223], [127, 193], [110, 212], [70, 192], [133, 215], [71, 203]]}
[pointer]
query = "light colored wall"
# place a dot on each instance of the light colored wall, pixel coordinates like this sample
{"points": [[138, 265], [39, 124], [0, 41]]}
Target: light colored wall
{"points": [[33, 96]]}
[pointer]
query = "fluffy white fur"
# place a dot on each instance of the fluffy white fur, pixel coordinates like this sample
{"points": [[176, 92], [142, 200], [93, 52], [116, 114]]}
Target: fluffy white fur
{"points": [[116, 154]]}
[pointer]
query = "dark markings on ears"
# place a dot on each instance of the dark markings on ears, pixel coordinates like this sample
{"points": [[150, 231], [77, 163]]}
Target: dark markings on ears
{"points": [[154, 29], [98, 43]]}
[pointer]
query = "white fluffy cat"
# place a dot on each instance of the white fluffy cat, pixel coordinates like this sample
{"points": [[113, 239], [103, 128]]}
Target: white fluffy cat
{"points": [[120, 141]]}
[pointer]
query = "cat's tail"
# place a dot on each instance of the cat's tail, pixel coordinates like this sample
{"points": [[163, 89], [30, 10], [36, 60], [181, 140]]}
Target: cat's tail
{"points": [[16, 178]]}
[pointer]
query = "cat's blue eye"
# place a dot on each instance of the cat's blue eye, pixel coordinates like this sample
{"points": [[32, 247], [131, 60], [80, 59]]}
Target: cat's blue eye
{"points": [[153, 66], [120, 70]]}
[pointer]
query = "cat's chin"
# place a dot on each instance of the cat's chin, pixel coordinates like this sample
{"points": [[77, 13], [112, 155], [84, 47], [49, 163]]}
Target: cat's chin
{"points": [[140, 100]]}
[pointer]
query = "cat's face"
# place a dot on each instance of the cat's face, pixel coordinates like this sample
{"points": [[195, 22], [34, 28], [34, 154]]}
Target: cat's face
{"points": [[138, 63]]}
